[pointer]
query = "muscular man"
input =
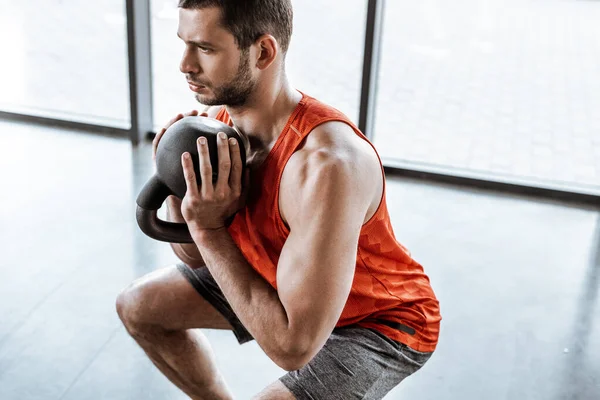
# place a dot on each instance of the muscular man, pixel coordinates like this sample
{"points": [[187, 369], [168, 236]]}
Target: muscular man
{"points": [[310, 267]]}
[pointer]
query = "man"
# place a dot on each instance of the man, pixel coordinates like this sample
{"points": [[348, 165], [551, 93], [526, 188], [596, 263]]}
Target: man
{"points": [[310, 267]]}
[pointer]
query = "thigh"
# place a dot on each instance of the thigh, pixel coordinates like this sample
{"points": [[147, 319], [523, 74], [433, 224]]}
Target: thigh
{"points": [[355, 363], [275, 391], [166, 298]]}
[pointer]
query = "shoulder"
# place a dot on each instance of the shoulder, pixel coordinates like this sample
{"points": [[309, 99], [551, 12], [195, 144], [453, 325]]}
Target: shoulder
{"points": [[332, 160], [334, 145]]}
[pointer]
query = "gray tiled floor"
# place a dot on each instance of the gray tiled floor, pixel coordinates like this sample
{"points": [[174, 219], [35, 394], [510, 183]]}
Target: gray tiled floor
{"points": [[517, 279]]}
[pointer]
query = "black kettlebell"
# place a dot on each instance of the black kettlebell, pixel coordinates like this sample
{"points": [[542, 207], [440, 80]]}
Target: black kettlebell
{"points": [[179, 138]]}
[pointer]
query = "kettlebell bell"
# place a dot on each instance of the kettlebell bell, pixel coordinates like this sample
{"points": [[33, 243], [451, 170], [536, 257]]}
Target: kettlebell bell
{"points": [[169, 180]]}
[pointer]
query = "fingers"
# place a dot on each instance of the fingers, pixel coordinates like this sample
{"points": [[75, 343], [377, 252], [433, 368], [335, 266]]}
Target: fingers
{"points": [[160, 133], [172, 121], [205, 167], [192, 113], [189, 174], [224, 162], [235, 179], [205, 111]]}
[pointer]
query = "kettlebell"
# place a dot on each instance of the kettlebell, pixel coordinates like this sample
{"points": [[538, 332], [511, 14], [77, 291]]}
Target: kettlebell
{"points": [[169, 180]]}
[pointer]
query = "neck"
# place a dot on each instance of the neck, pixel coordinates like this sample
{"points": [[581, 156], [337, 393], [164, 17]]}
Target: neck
{"points": [[266, 113]]}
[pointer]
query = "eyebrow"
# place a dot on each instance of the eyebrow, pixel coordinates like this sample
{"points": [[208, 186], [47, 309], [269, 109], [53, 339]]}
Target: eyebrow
{"points": [[201, 43]]}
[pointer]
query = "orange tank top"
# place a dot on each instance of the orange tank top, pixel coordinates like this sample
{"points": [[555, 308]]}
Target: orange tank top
{"points": [[390, 291]]}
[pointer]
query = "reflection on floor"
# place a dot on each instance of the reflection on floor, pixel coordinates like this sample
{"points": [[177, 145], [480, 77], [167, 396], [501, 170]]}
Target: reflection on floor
{"points": [[517, 279]]}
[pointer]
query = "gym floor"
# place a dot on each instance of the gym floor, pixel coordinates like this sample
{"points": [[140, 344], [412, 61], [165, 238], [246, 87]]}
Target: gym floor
{"points": [[517, 279]]}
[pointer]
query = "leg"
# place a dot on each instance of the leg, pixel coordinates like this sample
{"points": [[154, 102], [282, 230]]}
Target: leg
{"points": [[160, 311], [355, 363], [275, 391]]}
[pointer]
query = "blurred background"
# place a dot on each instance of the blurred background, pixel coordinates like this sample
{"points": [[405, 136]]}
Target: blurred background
{"points": [[485, 112]]}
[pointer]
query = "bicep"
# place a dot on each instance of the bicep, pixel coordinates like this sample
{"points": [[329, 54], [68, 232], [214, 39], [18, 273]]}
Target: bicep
{"points": [[314, 278], [316, 266]]}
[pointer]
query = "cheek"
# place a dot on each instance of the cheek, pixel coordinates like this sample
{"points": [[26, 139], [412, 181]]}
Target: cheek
{"points": [[223, 68]]}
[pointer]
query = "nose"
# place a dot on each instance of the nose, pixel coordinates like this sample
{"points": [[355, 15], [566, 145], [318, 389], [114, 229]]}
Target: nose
{"points": [[189, 62]]}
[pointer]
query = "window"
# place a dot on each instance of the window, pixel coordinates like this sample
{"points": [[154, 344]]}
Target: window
{"points": [[506, 88], [324, 59], [65, 60]]}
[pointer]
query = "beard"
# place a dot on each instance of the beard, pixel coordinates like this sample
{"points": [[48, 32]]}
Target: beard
{"points": [[236, 92]]}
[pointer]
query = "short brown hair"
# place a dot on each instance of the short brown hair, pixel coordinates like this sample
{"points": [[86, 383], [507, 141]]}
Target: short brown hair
{"points": [[247, 20]]}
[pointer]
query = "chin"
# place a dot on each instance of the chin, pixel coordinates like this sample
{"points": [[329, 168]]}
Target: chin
{"points": [[207, 100]]}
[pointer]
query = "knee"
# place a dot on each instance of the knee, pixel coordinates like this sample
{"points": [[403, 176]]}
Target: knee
{"points": [[129, 309], [125, 305]]}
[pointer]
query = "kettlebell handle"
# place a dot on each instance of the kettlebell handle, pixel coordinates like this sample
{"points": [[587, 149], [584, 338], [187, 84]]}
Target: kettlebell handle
{"points": [[150, 199], [169, 178]]}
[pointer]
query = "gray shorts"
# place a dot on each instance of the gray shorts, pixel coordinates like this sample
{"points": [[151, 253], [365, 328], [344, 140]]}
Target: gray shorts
{"points": [[355, 363]]}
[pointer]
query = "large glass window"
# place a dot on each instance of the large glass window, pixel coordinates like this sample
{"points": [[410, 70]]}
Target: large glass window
{"points": [[326, 54], [324, 59], [65, 59], [171, 93], [509, 88]]}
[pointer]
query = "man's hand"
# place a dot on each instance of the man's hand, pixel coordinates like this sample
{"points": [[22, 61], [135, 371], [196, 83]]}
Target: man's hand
{"points": [[206, 207], [160, 133]]}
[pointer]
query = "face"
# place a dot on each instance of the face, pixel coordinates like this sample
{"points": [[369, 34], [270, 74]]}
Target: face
{"points": [[215, 68]]}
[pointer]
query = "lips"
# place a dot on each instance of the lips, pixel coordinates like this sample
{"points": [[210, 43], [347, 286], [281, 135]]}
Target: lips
{"points": [[195, 87]]}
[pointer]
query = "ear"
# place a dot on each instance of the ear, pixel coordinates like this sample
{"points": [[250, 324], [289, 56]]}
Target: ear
{"points": [[267, 49]]}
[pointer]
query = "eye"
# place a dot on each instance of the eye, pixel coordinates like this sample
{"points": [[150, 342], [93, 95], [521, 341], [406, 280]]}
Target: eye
{"points": [[204, 49]]}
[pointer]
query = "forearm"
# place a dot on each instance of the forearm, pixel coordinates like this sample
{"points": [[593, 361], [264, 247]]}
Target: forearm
{"points": [[252, 298], [186, 252]]}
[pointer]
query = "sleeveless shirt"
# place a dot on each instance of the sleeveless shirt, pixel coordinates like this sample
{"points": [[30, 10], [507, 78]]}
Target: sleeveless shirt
{"points": [[390, 291]]}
